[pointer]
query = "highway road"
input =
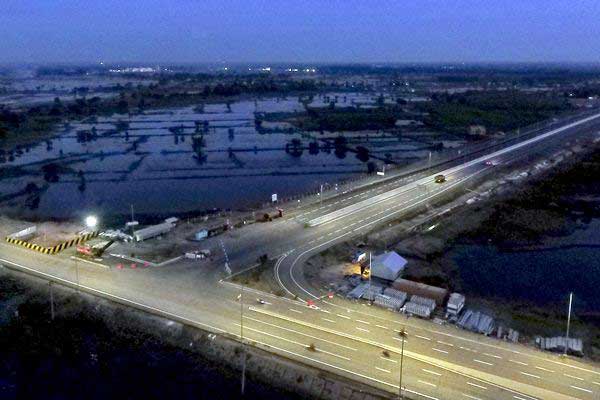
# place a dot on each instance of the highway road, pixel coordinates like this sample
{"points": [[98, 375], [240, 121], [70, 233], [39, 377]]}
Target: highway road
{"points": [[349, 338]]}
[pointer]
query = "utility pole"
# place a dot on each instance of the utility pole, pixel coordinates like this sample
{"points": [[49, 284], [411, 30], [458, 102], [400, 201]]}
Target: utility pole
{"points": [[77, 273], [321, 195], [402, 334], [242, 337], [568, 322], [370, 272], [429, 164], [51, 301]]}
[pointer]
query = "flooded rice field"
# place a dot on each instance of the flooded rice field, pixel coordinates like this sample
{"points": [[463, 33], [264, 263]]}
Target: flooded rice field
{"points": [[189, 159]]}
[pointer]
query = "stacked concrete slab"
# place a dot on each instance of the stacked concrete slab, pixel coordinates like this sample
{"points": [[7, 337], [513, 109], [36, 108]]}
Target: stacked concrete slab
{"points": [[417, 309], [559, 343], [476, 321], [392, 303], [371, 291], [357, 292], [401, 296]]}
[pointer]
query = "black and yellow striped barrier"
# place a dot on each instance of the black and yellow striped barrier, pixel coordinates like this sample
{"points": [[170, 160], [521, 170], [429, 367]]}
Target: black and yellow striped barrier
{"points": [[31, 246], [54, 249]]}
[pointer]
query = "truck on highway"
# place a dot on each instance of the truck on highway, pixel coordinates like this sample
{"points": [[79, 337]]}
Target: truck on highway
{"points": [[439, 178]]}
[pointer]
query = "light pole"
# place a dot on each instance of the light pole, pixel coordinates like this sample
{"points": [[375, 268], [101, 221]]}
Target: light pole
{"points": [[321, 195], [568, 323], [403, 335], [51, 301], [242, 337], [429, 164]]}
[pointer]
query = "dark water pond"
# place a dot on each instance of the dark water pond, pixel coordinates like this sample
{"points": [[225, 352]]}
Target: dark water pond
{"points": [[570, 264], [151, 162]]}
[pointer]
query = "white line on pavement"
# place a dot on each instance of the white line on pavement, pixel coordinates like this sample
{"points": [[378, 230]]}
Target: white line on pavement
{"points": [[543, 369], [382, 327], [363, 322], [439, 350], [362, 329], [518, 362], [531, 375], [387, 359], [445, 343], [383, 370], [471, 397], [582, 389], [476, 385], [343, 316], [492, 355], [574, 377], [422, 337], [483, 362], [299, 333], [427, 383], [432, 372], [328, 320], [296, 311]]}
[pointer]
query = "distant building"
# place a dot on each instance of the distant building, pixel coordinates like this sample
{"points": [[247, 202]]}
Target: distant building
{"points": [[477, 130], [388, 266]]}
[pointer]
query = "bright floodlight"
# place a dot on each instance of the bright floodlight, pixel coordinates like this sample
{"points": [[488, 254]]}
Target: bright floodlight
{"points": [[91, 221]]}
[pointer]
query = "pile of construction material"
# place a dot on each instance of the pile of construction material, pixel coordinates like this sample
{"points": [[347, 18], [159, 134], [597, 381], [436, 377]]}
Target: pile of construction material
{"points": [[420, 306], [391, 298], [357, 292], [559, 344], [372, 291], [476, 321], [511, 334]]}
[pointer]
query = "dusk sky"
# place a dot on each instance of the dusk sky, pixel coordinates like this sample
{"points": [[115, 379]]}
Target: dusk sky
{"points": [[301, 30]]}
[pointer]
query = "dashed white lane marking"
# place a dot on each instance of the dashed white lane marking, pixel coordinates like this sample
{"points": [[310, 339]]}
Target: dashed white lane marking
{"points": [[596, 383], [519, 398], [328, 320], [299, 333], [438, 350], [483, 362], [343, 316], [383, 370], [445, 343], [543, 369], [582, 389], [427, 383], [296, 311], [422, 337], [468, 349], [468, 396], [363, 322], [518, 362], [362, 329], [382, 327], [387, 359], [574, 377], [432, 372], [492, 355], [531, 375], [476, 385]]}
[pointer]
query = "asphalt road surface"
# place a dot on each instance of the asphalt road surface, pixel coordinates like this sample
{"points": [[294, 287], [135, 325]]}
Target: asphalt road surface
{"points": [[348, 338]]}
